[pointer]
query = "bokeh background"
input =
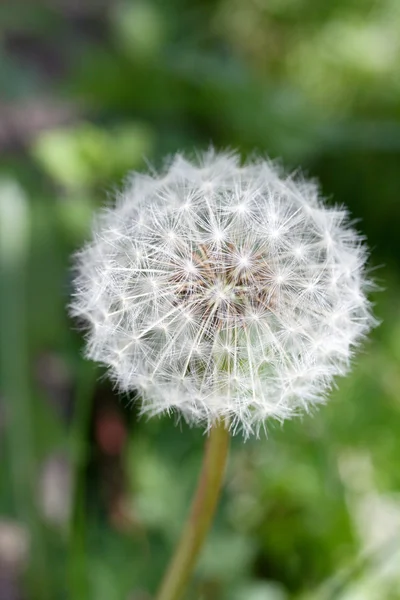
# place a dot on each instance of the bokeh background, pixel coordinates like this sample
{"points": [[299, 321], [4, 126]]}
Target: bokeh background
{"points": [[91, 498]]}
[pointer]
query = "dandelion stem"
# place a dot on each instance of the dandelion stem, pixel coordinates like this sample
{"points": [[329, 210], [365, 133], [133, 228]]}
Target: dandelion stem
{"points": [[201, 514]]}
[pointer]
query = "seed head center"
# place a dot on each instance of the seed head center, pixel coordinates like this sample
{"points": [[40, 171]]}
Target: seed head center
{"points": [[225, 282]]}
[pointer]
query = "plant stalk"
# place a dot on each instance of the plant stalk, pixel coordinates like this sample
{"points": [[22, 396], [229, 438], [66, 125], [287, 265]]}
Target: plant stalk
{"points": [[201, 514]]}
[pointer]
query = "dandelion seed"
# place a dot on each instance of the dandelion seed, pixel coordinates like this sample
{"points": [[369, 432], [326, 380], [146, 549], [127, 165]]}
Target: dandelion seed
{"points": [[220, 290]]}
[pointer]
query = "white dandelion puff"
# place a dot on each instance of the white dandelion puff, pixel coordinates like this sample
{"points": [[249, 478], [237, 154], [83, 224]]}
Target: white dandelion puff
{"points": [[223, 291]]}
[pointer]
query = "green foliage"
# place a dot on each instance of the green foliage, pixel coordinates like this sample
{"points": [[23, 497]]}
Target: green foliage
{"points": [[83, 156], [92, 91]]}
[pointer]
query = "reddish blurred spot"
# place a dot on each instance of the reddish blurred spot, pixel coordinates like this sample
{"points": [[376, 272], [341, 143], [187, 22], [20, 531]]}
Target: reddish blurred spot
{"points": [[110, 433]]}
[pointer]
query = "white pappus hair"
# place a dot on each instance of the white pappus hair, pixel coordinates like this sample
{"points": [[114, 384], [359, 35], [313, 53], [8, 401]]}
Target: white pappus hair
{"points": [[217, 291]]}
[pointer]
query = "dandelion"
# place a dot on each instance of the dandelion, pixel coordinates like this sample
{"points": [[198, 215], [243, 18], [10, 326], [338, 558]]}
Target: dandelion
{"points": [[227, 294], [223, 291]]}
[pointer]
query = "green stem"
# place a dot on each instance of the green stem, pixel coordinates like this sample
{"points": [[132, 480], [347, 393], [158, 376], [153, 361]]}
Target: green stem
{"points": [[200, 517]]}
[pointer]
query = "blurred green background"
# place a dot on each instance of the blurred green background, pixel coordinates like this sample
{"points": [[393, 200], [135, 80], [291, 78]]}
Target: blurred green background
{"points": [[91, 498]]}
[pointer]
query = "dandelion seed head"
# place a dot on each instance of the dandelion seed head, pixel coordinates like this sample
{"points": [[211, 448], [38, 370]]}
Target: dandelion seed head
{"points": [[219, 290]]}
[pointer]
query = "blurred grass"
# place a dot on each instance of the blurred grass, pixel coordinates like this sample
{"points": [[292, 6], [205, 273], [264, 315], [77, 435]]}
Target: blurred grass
{"points": [[91, 91], [21, 445], [79, 448]]}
